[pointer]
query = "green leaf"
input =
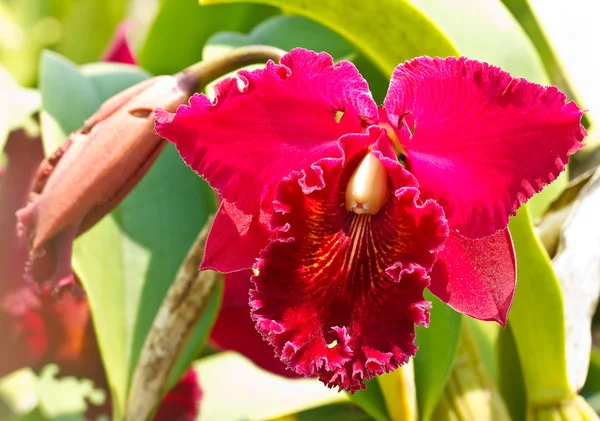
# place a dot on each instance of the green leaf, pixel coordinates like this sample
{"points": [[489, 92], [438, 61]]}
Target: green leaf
{"points": [[510, 375], [485, 335], [128, 260], [387, 31], [236, 389], [537, 317], [182, 27], [371, 400], [285, 32], [437, 349]]}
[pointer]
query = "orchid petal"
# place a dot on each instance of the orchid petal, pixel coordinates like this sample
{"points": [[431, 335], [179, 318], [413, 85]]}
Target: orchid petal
{"points": [[338, 293], [234, 329], [479, 141], [476, 277], [235, 239], [247, 140]]}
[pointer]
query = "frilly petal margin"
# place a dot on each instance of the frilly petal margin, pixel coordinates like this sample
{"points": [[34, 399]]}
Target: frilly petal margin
{"points": [[479, 141], [338, 294], [234, 329], [283, 118], [477, 277]]}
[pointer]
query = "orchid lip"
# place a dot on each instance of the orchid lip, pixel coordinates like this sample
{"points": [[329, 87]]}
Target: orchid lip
{"points": [[367, 189]]}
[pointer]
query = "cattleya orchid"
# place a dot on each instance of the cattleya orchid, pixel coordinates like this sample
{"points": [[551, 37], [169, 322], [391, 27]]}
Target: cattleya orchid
{"points": [[347, 211]]}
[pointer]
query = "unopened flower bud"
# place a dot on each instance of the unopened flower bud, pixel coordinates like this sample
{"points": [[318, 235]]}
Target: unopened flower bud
{"points": [[93, 171]]}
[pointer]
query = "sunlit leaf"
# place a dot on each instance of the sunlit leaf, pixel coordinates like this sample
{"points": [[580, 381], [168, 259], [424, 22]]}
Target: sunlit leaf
{"points": [[537, 317], [182, 27]]}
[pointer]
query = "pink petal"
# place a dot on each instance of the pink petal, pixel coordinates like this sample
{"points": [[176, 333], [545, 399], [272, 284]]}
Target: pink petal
{"points": [[282, 119], [477, 277], [338, 294], [119, 50], [234, 329], [235, 239], [483, 142]]}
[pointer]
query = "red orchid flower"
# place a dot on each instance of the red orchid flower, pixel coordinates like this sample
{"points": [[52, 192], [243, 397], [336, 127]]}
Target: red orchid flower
{"points": [[344, 237]]}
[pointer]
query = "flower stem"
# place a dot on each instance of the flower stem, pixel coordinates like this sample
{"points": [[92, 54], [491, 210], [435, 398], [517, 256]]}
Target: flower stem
{"points": [[200, 74], [177, 317]]}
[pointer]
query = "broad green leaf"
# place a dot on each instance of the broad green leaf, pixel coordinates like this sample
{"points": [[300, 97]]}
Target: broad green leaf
{"points": [[437, 349], [387, 31], [235, 389], [287, 32], [17, 104], [573, 31], [510, 376], [128, 261], [537, 317], [182, 27], [371, 400], [500, 41]]}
